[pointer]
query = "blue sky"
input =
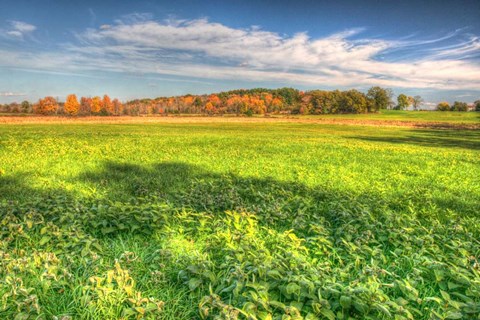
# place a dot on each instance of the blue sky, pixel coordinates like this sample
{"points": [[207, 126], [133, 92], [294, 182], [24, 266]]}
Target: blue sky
{"points": [[140, 48]]}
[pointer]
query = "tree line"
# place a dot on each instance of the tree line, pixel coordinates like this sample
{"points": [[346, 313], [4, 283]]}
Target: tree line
{"points": [[240, 102], [457, 106]]}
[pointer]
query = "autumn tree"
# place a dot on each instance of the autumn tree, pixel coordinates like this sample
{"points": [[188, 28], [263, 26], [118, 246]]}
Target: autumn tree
{"points": [[107, 105], [305, 106], [85, 106], [47, 105], [245, 105], [117, 107], [214, 99], [258, 105], [96, 105], [443, 106], [210, 108], [276, 105], [171, 102], [267, 98], [188, 100], [250, 101], [234, 103], [71, 106]]}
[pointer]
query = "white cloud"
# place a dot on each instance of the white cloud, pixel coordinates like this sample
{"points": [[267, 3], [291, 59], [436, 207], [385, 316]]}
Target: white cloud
{"points": [[204, 49], [14, 33], [467, 49], [19, 29], [12, 94], [23, 26]]}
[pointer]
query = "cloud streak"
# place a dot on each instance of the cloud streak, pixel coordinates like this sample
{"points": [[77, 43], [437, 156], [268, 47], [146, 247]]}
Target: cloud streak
{"points": [[208, 50], [18, 29], [12, 94]]}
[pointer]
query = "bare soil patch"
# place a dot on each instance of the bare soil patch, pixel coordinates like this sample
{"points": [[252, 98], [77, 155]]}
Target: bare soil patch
{"points": [[222, 119]]}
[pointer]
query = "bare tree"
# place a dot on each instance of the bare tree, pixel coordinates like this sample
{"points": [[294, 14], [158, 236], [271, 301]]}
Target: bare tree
{"points": [[417, 102]]}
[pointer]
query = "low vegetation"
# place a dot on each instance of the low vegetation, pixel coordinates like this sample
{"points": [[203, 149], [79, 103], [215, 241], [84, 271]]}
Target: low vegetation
{"points": [[238, 220]]}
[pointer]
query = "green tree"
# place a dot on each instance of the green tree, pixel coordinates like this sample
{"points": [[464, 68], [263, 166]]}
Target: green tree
{"points": [[477, 105], [380, 98], [289, 95], [26, 107], [322, 101], [353, 101], [459, 106], [402, 102]]}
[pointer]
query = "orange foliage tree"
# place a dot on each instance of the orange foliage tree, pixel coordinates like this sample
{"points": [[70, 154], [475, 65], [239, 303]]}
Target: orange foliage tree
{"points": [[234, 103], [210, 108], [249, 102], [96, 105], [215, 100], [71, 105], [107, 105], [117, 107], [47, 105], [268, 98], [188, 100], [276, 105], [257, 105], [85, 105]]}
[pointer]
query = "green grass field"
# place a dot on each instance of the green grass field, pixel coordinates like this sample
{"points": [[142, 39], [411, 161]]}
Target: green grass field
{"points": [[248, 220], [417, 116]]}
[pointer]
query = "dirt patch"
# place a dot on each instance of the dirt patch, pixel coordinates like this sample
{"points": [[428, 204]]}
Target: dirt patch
{"points": [[233, 119]]}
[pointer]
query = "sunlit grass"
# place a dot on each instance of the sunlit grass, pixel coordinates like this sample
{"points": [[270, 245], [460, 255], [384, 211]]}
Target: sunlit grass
{"points": [[239, 218]]}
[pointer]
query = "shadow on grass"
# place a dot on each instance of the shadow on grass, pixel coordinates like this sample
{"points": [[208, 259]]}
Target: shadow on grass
{"points": [[276, 203], [192, 187], [16, 186], [457, 139]]}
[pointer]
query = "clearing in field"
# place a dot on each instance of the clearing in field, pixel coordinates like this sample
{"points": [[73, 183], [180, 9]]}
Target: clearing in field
{"points": [[239, 218]]}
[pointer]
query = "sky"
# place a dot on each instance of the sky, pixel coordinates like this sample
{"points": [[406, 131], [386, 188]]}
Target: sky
{"points": [[147, 49]]}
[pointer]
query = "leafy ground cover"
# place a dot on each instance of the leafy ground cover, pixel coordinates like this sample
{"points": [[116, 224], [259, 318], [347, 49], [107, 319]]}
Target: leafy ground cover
{"points": [[238, 219], [418, 116]]}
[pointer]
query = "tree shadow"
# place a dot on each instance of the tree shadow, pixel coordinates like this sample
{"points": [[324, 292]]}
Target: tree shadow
{"points": [[455, 139], [16, 186], [445, 125], [190, 187], [277, 204], [187, 186]]}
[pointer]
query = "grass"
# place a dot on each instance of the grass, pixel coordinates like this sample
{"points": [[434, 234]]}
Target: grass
{"points": [[238, 219], [415, 116]]}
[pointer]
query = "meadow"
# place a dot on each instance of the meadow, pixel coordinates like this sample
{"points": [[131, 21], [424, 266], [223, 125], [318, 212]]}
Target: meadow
{"points": [[220, 218]]}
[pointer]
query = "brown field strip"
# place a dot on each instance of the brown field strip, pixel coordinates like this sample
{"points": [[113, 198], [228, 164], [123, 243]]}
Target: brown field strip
{"points": [[233, 119]]}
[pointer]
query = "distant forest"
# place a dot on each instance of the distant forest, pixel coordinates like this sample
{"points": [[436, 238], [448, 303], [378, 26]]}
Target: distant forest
{"points": [[239, 102]]}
